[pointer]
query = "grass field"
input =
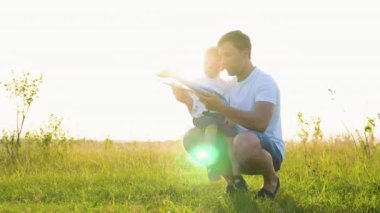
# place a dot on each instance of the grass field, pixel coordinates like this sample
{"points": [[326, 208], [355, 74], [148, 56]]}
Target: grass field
{"points": [[159, 177]]}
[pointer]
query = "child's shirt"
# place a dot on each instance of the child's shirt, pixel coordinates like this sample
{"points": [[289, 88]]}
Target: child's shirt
{"points": [[217, 85]]}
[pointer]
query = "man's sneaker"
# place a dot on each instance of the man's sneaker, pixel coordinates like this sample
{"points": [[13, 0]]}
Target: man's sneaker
{"points": [[263, 193], [213, 175], [238, 184], [230, 188]]}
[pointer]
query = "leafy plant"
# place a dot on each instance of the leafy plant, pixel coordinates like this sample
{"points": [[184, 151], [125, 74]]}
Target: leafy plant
{"points": [[24, 89], [367, 142], [317, 133]]}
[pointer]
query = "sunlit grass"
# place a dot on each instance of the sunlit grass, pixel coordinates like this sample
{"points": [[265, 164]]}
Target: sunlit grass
{"points": [[159, 177]]}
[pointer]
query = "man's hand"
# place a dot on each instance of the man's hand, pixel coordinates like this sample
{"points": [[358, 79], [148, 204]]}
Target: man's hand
{"points": [[211, 101]]}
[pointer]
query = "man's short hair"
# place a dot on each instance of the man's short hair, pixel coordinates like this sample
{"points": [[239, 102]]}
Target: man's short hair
{"points": [[240, 40]]}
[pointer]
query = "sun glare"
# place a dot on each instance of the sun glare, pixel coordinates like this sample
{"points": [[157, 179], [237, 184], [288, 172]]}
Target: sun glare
{"points": [[205, 154]]}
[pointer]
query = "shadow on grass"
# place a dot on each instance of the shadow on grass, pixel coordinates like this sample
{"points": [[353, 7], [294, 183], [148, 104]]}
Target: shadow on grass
{"points": [[286, 203], [244, 202], [247, 202]]}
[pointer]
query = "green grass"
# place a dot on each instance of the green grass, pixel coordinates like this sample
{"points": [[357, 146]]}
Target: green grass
{"points": [[159, 177]]}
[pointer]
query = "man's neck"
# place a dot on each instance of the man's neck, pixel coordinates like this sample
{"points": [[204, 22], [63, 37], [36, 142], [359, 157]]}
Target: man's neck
{"points": [[247, 70]]}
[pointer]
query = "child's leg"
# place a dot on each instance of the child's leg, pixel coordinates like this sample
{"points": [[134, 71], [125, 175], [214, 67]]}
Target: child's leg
{"points": [[210, 138], [234, 163]]}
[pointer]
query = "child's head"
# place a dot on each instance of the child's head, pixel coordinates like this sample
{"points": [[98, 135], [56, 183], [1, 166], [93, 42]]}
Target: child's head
{"points": [[212, 62]]}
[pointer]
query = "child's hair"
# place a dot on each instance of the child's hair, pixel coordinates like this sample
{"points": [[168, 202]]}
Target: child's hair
{"points": [[213, 64], [213, 51]]}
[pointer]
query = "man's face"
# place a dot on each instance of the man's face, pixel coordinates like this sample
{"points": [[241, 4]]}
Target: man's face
{"points": [[233, 59]]}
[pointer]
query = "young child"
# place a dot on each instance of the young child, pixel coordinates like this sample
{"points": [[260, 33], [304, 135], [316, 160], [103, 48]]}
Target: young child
{"points": [[212, 123]]}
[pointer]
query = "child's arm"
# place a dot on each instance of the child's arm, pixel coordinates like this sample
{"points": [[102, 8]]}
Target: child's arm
{"points": [[183, 96], [210, 134], [192, 85], [167, 74]]}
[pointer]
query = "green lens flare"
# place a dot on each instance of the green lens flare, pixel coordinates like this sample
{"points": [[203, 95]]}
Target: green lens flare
{"points": [[205, 154], [202, 154]]}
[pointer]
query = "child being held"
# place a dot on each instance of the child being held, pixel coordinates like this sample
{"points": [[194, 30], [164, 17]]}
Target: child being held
{"points": [[211, 122]]}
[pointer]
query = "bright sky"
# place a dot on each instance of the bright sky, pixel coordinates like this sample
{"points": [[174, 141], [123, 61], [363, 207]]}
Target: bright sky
{"points": [[99, 58]]}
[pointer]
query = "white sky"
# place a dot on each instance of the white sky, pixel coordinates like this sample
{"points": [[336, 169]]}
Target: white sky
{"points": [[98, 59]]}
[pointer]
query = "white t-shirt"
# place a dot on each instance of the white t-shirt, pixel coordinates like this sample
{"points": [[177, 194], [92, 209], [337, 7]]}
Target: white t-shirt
{"points": [[259, 86], [213, 84]]}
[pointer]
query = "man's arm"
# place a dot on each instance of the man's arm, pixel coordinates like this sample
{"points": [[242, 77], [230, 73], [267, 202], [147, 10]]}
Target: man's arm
{"points": [[257, 119]]}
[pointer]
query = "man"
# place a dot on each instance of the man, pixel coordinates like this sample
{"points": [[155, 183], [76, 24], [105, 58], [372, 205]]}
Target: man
{"points": [[254, 106]]}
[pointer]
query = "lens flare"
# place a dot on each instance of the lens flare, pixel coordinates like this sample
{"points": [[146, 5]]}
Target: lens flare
{"points": [[202, 154], [205, 154]]}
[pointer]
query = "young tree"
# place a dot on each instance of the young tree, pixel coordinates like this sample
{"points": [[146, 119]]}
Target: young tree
{"points": [[24, 89]]}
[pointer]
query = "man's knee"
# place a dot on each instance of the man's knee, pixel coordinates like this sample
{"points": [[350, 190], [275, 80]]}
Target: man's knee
{"points": [[246, 140], [192, 138], [245, 145]]}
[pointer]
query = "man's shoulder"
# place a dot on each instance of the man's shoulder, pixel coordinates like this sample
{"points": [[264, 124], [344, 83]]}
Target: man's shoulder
{"points": [[265, 79], [262, 74]]}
